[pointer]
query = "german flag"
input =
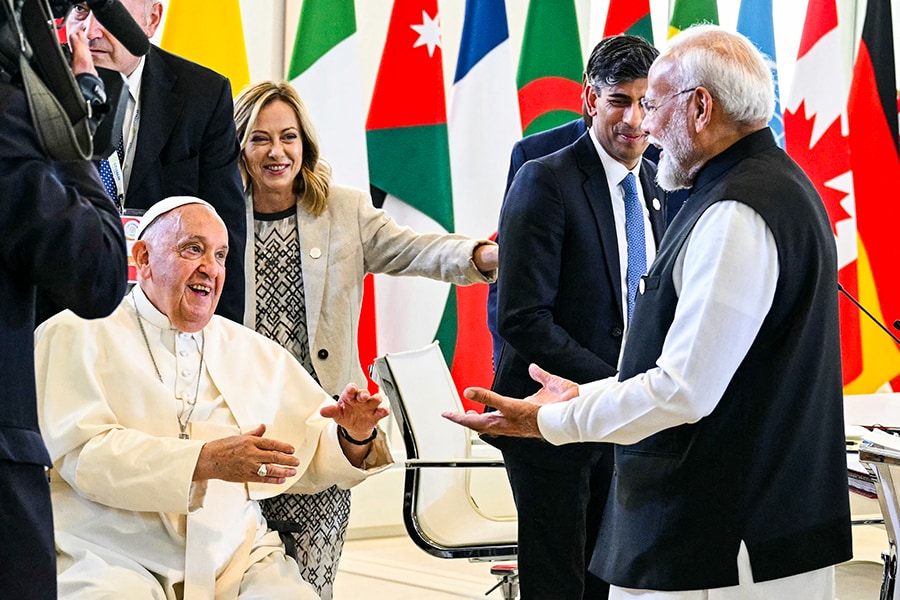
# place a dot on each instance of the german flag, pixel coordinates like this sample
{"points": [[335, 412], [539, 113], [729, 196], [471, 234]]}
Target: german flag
{"points": [[872, 114]]}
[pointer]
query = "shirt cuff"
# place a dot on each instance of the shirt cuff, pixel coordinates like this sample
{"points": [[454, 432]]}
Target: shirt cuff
{"points": [[558, 422], [551, 423]]}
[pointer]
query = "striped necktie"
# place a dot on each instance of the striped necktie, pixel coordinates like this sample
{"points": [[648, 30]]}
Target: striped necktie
{"points": [[634, 236]]}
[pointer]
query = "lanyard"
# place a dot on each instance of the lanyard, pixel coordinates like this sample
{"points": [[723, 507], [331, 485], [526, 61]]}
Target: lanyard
{"points": [[116, 165]]}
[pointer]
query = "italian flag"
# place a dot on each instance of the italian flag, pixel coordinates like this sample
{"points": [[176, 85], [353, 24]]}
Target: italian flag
{"points": [[692, 12], [629, 16], [195, 30], [325, 70], [409, 162], [550, 66]]}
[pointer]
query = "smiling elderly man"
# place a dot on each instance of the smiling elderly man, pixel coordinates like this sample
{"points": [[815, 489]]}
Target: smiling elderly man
{"points": [[155, 420], [730, 470]]}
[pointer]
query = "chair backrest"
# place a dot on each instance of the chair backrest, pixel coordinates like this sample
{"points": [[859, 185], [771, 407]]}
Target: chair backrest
{"points": [[439, 512], [881, 453]]}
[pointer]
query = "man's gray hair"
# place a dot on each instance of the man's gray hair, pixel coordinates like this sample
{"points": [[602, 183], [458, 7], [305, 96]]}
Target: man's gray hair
{"points": [[729, 66]]}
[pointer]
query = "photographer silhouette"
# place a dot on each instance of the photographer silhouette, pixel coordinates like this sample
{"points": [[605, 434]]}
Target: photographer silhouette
{"points": [[61, 238]]}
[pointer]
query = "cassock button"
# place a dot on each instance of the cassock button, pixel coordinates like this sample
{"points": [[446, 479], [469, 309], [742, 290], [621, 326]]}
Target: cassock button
{"points": [[323, 354], [616, 332], [315, 252], [656, 204], [185, 373], [641, 287]]}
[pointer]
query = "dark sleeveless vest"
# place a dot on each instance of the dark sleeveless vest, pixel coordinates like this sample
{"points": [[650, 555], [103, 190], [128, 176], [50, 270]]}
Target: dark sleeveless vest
{"points": [[768, 465]]}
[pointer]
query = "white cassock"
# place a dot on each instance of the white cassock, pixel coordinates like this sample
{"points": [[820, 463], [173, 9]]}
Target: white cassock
{"points": [[122, 486]]}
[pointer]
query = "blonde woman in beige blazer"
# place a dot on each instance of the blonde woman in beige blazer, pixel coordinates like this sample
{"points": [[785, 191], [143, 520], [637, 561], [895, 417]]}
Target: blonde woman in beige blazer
{"points": [[310, 245]]}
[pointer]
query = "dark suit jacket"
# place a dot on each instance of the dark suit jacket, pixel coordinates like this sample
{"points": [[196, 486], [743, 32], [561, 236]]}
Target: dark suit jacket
{"points": [[559, 287], [187, 146], [528, 148], [542, 144], [60, 234]]}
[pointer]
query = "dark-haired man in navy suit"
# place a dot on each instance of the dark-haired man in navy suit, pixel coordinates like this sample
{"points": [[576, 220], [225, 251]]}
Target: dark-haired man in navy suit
{"points": [[178, 136], [541, 144], [562, 304]]}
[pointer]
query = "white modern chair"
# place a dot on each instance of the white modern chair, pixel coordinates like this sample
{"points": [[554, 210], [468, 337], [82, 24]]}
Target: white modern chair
{"points": [[440, 513], [881, 454]]}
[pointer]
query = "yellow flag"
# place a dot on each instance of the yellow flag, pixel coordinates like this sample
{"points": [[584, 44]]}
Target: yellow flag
{"points": [[209, 32]]}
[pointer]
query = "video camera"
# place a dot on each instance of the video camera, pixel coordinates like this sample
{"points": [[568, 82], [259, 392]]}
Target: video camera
{"points": [[76, 117]]}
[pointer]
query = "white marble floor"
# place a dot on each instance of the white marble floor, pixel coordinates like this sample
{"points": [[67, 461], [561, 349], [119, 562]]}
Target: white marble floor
{"points": [[393, 568]]}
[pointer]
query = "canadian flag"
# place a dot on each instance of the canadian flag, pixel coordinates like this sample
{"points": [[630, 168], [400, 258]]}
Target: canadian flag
{"points": [[818, 136]]}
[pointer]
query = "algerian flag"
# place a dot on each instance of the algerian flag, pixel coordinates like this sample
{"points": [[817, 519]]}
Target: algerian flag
{"points": [[409, 160], [325, 69], [550, 66], [692, 12], [195, 30]]}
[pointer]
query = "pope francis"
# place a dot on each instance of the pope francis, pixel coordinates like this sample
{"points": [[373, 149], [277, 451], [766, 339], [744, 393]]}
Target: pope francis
{"points": [[166, 424]]}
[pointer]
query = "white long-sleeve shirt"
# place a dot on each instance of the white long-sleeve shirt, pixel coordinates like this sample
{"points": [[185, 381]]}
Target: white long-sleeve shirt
{"points": [[725, 277]]}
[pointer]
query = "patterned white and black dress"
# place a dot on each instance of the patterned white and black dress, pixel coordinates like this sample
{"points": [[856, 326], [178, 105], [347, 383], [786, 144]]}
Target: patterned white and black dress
{"points": [[312, 526]]}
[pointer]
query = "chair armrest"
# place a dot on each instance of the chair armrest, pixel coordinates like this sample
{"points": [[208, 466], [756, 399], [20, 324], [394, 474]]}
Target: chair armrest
{"points": [[457, 463]]}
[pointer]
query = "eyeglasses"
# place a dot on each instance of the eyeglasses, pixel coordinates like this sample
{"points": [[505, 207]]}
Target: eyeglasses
{"points": [[651, 106]]}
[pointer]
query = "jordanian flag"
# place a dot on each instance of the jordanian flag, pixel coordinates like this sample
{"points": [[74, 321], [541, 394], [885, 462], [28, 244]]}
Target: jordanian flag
{"points": [[815, 128], [872, 111], [409, 161], [629, 16], [755, 22], [484, 125], [691, 12], [325, 69], [550, 66], [209, 32]]}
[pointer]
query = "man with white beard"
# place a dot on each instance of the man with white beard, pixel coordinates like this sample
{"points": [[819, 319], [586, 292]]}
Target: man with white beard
{"points": [[730, 469]]}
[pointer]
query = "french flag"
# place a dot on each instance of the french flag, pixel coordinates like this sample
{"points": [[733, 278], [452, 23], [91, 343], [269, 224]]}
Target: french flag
{"points": [[483, 125]]}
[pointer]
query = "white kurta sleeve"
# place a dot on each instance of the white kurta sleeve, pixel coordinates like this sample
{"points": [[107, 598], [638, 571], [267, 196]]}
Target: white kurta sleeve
{"points": [[725, 276]]}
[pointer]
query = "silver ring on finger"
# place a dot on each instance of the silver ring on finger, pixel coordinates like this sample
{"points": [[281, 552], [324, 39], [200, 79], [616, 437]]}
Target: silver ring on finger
{"points": [[263, 470]]}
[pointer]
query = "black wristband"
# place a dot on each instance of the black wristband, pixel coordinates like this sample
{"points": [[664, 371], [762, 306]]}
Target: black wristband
{"points": [[364, 442]]}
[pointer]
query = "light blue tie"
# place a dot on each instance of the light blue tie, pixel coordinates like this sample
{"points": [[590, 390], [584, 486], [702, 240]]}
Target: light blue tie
{"points": [[634, 236], [106, 175]]}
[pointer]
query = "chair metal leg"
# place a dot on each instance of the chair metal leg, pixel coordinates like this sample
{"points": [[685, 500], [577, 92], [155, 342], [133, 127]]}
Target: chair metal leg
{"points": [[889, 574], [508, 581]]}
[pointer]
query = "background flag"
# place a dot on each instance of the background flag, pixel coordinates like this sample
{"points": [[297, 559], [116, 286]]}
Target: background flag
{"points": [[755, 22], [629, 16], [409, 161], [872, 112], [550, 66], [483, 126], [690, 12], [209, 32], [325, 69], [815, 127]]}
